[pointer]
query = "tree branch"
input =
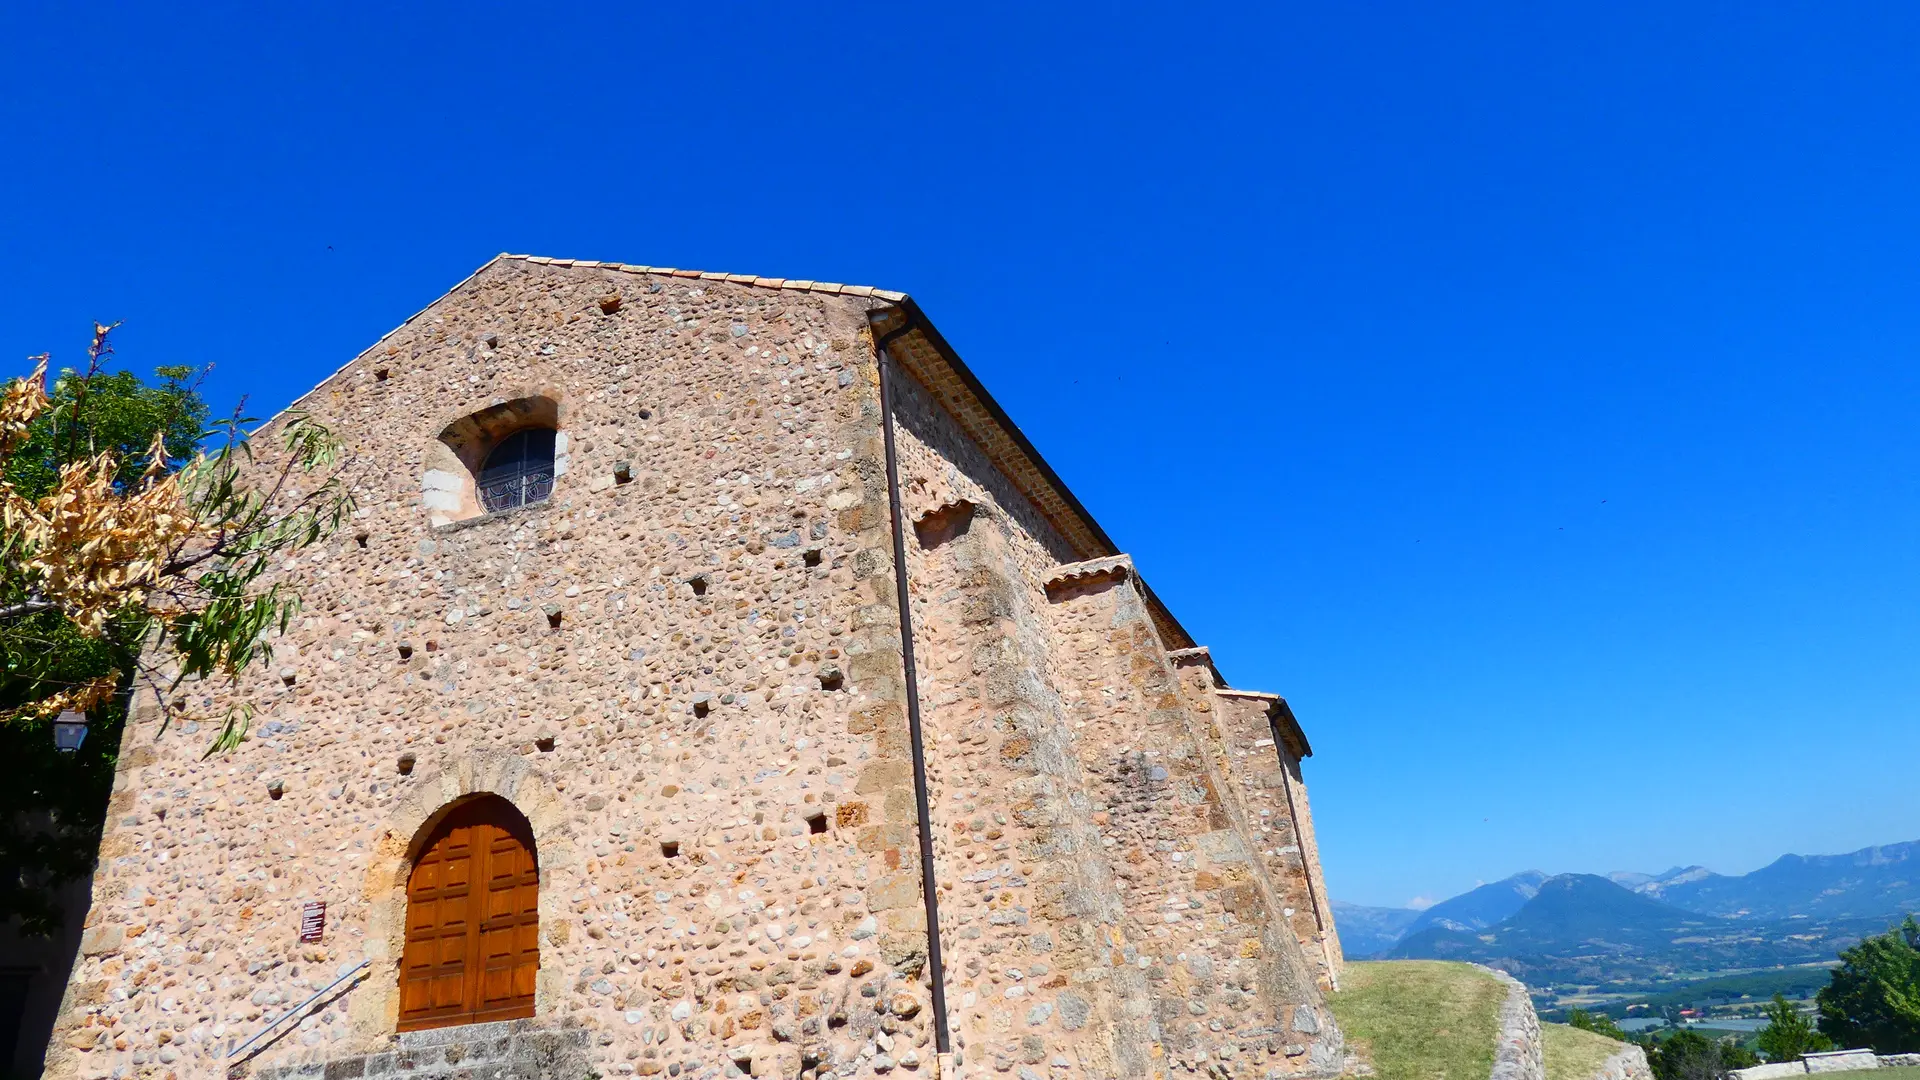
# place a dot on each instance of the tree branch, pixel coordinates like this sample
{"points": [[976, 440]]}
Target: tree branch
{"points": [[26, 607]]}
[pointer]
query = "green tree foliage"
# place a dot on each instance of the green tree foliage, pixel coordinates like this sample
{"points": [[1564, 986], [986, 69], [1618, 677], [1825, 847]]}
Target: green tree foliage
{"points": [[110, 412], [1873, 999], [1598, 1023], [1788, 1033], [129, 562], [1689, 1055]]}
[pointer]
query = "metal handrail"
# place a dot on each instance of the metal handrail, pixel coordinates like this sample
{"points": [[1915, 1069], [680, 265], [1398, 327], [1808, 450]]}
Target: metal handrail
{"points": [[355, 970]]}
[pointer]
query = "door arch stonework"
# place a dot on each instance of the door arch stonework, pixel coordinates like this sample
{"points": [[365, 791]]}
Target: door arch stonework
{"points": [[375, 1006]]}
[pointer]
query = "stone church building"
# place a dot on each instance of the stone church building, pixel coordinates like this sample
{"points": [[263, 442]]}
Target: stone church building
{"points": [[695, 637]]}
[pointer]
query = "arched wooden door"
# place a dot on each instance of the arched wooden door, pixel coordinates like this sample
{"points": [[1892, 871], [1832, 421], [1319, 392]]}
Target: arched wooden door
{"points": [[473, 920]]}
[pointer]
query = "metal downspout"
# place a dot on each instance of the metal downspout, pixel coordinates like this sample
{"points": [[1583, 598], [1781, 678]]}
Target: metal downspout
{"points": [[942, 1039]]}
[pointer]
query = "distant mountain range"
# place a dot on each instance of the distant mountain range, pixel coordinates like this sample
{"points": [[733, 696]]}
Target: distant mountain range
{"points": [[1646, 929], [1365, 931], [1873, 881]]}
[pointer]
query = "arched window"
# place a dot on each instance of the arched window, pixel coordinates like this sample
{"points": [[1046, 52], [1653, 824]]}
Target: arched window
{"points": [[518, 471], [473, 920]]}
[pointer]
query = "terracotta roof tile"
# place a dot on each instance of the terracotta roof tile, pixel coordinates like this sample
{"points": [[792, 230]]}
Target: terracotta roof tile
{"points": [[1119, 566]]}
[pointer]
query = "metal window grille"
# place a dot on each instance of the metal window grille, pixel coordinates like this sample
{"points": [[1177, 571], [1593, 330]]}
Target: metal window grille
{"points": [[519, 471]]}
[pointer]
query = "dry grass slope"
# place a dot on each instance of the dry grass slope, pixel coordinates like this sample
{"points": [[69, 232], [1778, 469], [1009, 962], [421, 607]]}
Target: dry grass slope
{"points": [[1420, 1019], [1573, 1054]]}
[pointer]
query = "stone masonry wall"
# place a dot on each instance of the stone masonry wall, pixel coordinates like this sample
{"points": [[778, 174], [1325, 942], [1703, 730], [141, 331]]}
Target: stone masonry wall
{"points": [[1031, 911], [1302, 811], [1072, 968], [633, 664], [1518, 1052], [685, 669], [1231, 991], [1631, 1064], [1034, 910], [1260, 777]]}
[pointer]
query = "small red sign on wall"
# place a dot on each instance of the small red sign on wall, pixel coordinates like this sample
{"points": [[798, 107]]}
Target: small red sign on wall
{"points": [[313, 921]]}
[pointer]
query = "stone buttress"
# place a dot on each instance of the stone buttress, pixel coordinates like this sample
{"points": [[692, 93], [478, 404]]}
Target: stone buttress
{"points": [[1229, 978]]}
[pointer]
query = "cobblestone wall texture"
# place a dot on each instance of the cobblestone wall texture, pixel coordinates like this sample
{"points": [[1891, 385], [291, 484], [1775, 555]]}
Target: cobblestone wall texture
{"points": [[1851, 1060], [1263, 772], [1628, 1064], [1518, 1053], [685, 669]]}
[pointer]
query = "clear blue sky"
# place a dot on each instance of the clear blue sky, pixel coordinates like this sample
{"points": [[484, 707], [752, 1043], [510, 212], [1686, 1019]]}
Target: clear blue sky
{"points": [[1527, 395]]}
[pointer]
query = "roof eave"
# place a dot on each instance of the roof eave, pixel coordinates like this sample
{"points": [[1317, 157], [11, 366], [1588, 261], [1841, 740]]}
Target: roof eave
{"points": [[1173, 634]]}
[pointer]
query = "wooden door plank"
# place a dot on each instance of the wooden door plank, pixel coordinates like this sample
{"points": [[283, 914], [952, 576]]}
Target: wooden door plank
{"points": [[473, 919]]}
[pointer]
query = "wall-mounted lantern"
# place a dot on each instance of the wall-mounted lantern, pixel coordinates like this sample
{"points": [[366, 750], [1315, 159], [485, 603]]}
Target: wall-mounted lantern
{"points": [[69, 731]]}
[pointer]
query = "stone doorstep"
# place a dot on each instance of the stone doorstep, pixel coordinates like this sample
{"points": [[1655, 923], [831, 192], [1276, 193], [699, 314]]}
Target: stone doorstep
{"points": [[464, 1033], [477, 1051]]}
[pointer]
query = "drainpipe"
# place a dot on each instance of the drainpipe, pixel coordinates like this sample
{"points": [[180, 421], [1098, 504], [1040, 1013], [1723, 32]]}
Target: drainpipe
{"points": [[942, 1039]]}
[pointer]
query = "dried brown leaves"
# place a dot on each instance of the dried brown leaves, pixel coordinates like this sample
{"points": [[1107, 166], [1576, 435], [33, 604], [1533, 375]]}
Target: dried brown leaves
{"points": [[92, 549], [20, 402]]}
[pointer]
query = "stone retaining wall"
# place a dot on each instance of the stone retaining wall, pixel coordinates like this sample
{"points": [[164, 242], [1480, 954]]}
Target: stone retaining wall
{"points": [[1772, 1070], [1840, 1061], [1518, 1054], [1832, 1061], [1629, 1064]]}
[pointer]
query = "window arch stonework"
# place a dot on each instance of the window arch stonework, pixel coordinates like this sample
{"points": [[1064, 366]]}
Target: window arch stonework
{"points": [[507, 455]]}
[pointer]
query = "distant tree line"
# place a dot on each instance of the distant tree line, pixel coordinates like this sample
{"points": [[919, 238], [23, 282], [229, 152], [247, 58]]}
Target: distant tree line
{"points": [[1680, 1055], [1871, 1001]]}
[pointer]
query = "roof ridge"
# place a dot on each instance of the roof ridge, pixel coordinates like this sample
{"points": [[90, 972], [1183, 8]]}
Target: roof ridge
{"points": [[799, 284], [629, 268]]}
